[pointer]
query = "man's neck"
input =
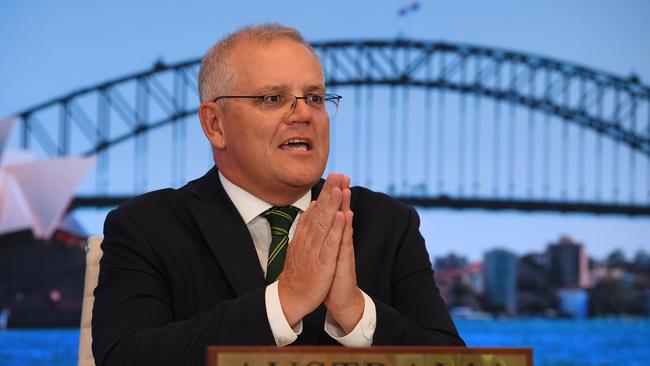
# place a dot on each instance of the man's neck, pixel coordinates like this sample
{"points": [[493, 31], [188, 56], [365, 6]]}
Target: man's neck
{"points": [[278, 198]]}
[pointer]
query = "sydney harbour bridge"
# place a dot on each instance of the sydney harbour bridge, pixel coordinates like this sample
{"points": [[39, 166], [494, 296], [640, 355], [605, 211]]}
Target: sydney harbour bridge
{"points": [[433, 124]]}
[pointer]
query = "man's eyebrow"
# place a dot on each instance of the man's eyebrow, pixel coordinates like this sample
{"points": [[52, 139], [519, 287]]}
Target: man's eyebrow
{"points": [[315, 88], [271, 88]]}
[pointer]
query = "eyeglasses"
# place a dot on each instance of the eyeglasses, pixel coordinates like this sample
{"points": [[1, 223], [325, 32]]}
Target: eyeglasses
{"points": [[283, 104]]}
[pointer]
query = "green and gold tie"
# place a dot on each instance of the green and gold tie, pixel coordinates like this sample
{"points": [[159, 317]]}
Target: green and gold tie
{"points": [[280, 219]]}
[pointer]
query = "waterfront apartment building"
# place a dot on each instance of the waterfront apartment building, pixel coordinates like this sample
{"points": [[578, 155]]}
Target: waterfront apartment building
{"points": [[568, 264], [500, 280]]}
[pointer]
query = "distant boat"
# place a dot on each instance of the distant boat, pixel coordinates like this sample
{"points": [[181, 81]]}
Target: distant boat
{"points": [[4, 318], [469, 313]]}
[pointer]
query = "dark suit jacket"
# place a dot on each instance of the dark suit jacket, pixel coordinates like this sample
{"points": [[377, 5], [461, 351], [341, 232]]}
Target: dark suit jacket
{"points": [[180, 272]]}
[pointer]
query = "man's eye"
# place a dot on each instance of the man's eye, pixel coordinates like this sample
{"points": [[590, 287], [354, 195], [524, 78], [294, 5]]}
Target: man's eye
{"points": [[315, 98], [273, 99]]}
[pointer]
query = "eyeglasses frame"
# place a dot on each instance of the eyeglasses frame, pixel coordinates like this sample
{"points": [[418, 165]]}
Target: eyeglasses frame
{"points": [[326, 97]]}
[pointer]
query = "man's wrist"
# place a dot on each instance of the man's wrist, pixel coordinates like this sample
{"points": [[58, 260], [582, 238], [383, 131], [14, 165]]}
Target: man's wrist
{"points": [[291, 309], [283, 332], [350, 317], [362, 334]]}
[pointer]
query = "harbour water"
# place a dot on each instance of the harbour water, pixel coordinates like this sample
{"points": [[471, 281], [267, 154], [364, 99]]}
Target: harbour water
{"points": [[554, 342], [566, 342]]}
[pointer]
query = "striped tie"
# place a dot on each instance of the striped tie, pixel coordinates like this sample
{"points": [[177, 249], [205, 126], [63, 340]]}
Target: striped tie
{"points": [[280, 219]]}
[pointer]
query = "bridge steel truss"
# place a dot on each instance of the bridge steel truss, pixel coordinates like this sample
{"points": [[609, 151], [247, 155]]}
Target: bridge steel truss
{"points": [[96, 119]]}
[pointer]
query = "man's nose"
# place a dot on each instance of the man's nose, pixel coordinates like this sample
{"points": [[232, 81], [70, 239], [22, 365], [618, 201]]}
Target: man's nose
{"points": [[300, 111]]}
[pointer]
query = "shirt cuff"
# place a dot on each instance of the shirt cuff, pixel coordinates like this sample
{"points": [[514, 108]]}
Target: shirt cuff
{"points": [[282, 331], [361, 335]]}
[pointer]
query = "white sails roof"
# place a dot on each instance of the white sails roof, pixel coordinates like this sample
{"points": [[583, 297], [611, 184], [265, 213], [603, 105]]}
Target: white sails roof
{"points": [[5, 129], [36, 193]]}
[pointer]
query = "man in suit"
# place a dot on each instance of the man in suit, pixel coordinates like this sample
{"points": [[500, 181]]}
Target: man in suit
{"points": [[261, 250]]}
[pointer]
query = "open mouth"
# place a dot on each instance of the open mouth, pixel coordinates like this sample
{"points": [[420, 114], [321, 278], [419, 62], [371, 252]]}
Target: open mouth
{"points": [[296, 144]]}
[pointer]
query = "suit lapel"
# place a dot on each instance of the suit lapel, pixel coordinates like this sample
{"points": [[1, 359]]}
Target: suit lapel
{"points": [[315, 191], [226, 233]]}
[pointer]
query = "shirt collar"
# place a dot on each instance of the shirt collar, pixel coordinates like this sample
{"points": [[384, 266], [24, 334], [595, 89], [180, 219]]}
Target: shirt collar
{"points": [[249, 206]]}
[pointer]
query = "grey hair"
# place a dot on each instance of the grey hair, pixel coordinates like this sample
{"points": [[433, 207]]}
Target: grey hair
{"points": [[216, 76]]}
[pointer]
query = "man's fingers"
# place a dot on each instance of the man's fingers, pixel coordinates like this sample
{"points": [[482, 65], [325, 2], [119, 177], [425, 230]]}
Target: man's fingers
{"points": [[305, 216], [346, 252], [326, 207], [346, 182], [347, 232], [346, 194], [328, 203], [329, 195], [317, 221], [303, 223], [328, 189], [333, 180], [329, 251]]}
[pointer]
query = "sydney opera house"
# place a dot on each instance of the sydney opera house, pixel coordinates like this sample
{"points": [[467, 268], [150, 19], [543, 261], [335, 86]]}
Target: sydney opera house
{"points": [[42, 256]]}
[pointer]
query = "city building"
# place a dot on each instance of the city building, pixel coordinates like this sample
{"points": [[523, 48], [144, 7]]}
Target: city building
{"points": [[534, 294], [450, 261], [500, 280], [475, 277], [459, 283], [568, 264], [447, 279]]}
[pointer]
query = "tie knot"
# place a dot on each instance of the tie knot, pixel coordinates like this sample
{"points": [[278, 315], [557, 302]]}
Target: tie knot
{"points": [[280, 219]]}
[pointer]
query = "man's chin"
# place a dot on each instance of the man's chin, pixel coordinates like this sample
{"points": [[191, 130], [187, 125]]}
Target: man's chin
{"points": [[304, 180]]}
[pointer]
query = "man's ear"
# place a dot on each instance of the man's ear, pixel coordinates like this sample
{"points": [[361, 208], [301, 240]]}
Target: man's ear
{"points": [[211, 116]]}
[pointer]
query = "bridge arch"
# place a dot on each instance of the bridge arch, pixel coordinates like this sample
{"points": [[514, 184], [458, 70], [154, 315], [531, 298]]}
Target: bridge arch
{"points": [[610, 106]]}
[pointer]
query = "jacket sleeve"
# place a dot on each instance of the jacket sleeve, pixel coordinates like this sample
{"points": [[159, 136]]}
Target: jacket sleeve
{"points": [[416, 313], [133, 321]]}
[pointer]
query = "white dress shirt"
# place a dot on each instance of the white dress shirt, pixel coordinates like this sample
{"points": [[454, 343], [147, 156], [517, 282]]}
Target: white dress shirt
{"points": [[250, 208]]}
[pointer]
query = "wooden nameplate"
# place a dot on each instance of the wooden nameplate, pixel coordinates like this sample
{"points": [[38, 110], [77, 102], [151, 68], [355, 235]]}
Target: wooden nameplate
{"points": [[371, 356]]}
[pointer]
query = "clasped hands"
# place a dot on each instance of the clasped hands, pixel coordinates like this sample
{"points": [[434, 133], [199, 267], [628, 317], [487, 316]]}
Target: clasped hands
{"points": [[319, 266]]}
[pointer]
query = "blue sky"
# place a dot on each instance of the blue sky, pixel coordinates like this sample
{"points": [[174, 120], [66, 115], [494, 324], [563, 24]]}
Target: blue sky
{"points": [[49, 48]]}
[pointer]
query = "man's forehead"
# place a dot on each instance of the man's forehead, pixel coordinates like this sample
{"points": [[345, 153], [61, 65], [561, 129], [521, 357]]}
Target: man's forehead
{"points": [[261, 45], [281, 64], [277, 50], [282, 86]]}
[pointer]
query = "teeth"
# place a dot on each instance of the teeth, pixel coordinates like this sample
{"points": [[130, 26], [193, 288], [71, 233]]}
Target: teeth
{"points": [[297, 144], [299, 147], [295, 141]]}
